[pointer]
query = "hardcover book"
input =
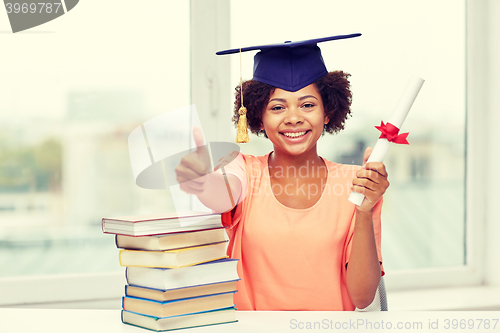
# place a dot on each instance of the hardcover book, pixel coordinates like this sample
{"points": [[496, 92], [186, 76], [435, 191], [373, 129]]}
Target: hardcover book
{"points": [[177, 322], [166, 278], [178, 307], [171, 241], [180, 293], [160, 223], [173, 258]]}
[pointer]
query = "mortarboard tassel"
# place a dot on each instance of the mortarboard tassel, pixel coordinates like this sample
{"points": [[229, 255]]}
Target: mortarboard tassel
{"points": [[242, 134]]}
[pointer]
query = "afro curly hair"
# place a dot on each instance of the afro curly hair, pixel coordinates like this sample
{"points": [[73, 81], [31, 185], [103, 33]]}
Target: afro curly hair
{"points": [[334, 88]]}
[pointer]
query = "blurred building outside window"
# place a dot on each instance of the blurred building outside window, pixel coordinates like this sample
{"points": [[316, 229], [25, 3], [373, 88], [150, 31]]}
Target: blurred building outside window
{"points": [[64, 160]]}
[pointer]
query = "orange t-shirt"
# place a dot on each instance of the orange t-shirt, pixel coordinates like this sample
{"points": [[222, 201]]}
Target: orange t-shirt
{"points": [[292, 259]]}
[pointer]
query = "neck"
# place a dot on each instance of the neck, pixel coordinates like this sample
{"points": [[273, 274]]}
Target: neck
{"points": [[310, 159]]}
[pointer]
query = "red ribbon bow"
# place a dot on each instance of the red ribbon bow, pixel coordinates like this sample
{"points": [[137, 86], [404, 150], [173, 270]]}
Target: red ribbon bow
{"points": [[390, 132]]}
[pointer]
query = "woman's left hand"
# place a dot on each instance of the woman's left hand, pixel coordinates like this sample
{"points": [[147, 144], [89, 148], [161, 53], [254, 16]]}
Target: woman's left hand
{"points": [[371, 181]]}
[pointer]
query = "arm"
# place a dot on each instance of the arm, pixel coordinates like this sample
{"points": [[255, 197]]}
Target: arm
{"points": [[220, 192], [363, 270]]}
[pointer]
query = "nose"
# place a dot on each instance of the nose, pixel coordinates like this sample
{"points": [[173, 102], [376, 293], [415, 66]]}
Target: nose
{"points": [[293, 116]]}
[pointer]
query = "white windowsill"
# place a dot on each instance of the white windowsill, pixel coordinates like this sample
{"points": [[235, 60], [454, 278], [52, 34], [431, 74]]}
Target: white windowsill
{"points": [[480, 298], [474, 298]]}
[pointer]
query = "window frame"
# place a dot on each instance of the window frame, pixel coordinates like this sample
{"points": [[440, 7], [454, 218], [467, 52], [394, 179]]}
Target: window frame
{"points": [[60, 288], [473, 272]]}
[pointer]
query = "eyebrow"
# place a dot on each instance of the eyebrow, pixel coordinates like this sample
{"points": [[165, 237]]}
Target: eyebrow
{"points": [[282, 100], [300, 98], [307, 96]]}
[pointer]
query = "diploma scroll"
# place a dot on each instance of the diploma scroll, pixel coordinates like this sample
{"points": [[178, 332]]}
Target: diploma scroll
{"points": [[397, 118]]}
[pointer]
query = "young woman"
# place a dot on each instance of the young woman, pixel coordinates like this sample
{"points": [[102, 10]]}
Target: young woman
{"points": [[302, 245]]}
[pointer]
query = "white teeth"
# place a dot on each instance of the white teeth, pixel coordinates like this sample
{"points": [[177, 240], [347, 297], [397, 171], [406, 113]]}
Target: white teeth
{"points": [[294, 135]]}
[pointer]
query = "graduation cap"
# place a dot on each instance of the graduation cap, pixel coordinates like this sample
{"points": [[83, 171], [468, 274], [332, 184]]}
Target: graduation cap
{"points": [[290, 66]]}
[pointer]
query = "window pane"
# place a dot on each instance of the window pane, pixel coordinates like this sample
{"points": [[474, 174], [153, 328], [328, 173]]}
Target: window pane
{"points": [[70, 97], [423, 214]]}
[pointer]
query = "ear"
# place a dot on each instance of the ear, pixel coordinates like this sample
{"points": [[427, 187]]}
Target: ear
{"points": [[327, 120]]}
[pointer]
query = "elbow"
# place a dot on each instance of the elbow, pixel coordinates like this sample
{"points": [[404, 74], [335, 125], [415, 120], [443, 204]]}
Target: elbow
{"points": [[362, 301], [362, 287], [362, 293]]}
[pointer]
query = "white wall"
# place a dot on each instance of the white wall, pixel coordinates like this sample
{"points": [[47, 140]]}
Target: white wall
{"points": [[492, 128]]}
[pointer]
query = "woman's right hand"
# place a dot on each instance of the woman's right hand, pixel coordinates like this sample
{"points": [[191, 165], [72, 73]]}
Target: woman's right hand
{"points": [[192, 171], [216, 191]]}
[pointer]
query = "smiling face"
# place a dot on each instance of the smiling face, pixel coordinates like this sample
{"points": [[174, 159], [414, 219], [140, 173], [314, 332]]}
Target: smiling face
{"points": [[294, 121]]}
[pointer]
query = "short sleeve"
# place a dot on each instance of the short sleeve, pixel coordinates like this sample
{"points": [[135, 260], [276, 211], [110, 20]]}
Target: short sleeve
{"points": [[377, 229]]}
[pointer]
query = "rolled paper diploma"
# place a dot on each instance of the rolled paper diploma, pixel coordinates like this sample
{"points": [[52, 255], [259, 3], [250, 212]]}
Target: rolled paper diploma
{"points": [[397, 118]]}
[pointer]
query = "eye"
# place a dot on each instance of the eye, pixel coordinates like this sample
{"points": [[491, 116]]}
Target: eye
{"points": [[308, 105], [277, 108]]}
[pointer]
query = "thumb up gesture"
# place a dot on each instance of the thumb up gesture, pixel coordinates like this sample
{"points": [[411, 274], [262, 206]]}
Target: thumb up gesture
{"points": [[194, 166]]}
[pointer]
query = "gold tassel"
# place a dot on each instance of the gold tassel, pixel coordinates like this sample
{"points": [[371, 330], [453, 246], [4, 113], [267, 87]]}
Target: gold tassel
{"points": [[242, 135]]}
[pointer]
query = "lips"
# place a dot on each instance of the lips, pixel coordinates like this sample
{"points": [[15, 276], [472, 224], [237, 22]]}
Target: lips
{"points": [[295, 134]]}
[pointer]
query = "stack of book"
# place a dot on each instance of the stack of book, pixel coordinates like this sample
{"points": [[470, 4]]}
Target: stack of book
{"points": [[178, 274]]}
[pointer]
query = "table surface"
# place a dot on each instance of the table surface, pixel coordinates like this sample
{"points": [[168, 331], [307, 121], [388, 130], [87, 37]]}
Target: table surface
{"points": [[96, 321]]}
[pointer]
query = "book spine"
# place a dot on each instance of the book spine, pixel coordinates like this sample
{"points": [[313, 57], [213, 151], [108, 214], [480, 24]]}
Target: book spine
{"points": [[120, 257]]}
